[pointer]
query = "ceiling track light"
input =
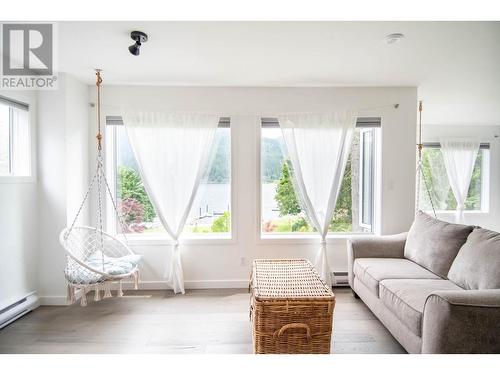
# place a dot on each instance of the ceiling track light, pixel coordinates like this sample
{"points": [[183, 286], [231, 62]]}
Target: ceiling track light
{"points": [[139, 38]]}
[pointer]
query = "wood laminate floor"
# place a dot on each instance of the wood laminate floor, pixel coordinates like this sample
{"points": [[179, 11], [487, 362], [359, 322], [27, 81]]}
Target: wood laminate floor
{"points": [[201, 321]]}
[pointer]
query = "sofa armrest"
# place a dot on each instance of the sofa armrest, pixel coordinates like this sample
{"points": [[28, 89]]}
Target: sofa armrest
{"points": [[462, 321], [374, 247]]}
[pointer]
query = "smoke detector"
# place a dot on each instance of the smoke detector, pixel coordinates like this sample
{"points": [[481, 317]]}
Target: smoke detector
{"points": [[394, 38]]}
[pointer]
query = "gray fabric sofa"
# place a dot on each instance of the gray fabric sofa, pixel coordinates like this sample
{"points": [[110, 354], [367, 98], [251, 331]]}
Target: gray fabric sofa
{"points": [[435, 288]]}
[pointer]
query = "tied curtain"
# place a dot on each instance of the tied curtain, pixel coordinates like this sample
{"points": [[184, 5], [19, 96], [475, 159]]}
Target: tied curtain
{"points": [[172, 151], [459, 157], [318, 147]]}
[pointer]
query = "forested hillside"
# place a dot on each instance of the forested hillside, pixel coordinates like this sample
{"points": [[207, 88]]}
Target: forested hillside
{"points": [[272, 157]]}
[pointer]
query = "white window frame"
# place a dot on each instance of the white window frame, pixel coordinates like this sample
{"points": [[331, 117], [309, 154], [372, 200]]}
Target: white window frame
{"points": [[303, 238], [28, 104], [485, 185], [361, 223], [162, 239], [485, 180]]}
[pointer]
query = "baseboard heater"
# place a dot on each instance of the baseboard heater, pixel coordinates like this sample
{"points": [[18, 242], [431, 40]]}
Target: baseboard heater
{"points": [[341, 279], [19, 308]]}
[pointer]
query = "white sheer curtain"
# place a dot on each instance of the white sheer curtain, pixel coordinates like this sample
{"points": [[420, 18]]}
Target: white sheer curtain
{"points": [[172, 151], [459, 157], [318, 147]]}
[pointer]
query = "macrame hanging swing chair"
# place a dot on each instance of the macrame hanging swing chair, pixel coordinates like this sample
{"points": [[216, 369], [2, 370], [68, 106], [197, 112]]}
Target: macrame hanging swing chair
{"points": [[95, 259], [420, 168]]}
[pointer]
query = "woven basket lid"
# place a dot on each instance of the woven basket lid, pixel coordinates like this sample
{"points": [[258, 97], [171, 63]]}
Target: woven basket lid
{"points": [[288, 279]]}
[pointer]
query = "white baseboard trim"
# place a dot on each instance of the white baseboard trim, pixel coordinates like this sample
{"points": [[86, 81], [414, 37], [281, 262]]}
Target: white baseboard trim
{"points": [[53, 301], [58, 300], [155, 285], [189, 284], [216, 284]]}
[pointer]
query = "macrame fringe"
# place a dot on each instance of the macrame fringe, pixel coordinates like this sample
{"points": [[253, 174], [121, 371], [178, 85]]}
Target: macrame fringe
{"points": [[72, 290], [70, 294], [83, 298], [97, 295], [136, 280], [107, 290], [120, 289]]}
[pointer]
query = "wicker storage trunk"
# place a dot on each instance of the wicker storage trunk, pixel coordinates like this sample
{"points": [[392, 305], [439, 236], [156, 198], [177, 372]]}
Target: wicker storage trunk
{"points": [[291, 308]]}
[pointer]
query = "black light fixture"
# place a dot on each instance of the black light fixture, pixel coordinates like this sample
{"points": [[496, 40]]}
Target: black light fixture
{"points": [[139, 38]]}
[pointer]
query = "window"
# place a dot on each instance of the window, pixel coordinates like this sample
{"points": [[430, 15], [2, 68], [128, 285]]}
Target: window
{"points": [[15, 142], [436, 178], [280, 210], [211, 211]]}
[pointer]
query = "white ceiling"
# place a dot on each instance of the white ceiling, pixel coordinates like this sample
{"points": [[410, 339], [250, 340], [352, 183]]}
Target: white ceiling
{"points": [[455, 65]]}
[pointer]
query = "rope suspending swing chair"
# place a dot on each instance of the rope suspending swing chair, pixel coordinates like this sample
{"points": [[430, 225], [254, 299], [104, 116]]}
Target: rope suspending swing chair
{"points": [[420, 167], [95, 259]]}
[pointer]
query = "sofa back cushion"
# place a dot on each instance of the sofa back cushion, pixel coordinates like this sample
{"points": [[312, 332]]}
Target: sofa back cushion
{"points": [[477, 265], [434, 244]]}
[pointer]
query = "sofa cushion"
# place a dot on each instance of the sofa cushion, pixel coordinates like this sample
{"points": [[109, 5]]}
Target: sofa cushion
{"points": [[477, 265], [406, 298], [370, 271], [434, 244]]}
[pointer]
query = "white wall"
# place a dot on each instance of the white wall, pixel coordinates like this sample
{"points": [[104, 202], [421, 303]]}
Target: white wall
{"points": [[63, 174], [18, 223], [487, 134], [77, 148], [227, 263]]}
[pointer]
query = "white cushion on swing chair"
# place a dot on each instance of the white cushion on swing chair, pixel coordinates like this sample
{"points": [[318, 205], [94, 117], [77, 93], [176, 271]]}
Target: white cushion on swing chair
{"points": [[75, 276], [113, 266], [78, 274]]}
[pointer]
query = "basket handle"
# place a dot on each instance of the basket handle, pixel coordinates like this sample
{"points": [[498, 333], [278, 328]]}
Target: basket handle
{"points": [[278, 333], [250, 282]]}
